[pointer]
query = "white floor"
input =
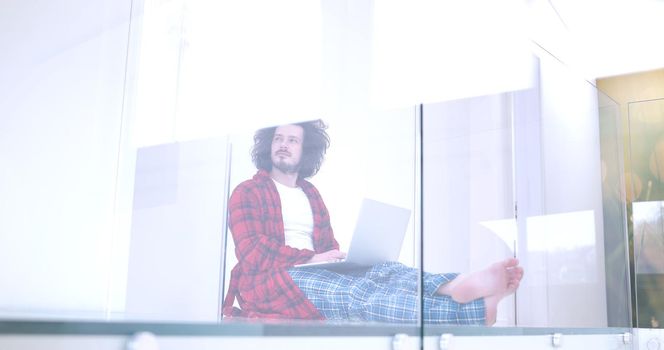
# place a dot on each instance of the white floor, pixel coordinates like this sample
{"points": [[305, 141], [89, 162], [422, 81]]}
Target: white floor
{"points": [[643, 339]]}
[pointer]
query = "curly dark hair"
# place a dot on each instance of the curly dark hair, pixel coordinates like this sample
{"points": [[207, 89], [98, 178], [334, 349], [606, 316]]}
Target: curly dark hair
{"points": [[315, 144]]}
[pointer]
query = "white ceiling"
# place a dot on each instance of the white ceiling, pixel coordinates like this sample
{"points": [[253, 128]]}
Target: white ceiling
{"points": [[602, 37], [33, 31], [598, 37]]}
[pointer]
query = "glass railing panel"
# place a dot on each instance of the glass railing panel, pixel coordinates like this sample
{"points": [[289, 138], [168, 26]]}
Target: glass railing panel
{"points": [[131, 223], [468, 200], [646, 127], [616, 243], [362, 165], [534, 174], [570, 227]]}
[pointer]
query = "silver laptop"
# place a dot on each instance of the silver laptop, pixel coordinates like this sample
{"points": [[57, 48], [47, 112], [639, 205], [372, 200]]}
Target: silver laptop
{"points": [[378, 236]]}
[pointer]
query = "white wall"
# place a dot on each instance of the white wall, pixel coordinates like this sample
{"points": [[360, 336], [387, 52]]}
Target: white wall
{"points": [[61, 96]]}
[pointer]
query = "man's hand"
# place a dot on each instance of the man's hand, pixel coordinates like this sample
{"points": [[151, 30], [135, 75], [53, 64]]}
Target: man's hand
{"points": [[329, 255]]}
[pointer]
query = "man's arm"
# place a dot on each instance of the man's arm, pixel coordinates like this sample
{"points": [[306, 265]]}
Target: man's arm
{"points": [[254, 246], [324, 240]]}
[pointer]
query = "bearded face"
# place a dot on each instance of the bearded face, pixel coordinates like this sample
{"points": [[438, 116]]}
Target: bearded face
{"points": [[286, 149]]}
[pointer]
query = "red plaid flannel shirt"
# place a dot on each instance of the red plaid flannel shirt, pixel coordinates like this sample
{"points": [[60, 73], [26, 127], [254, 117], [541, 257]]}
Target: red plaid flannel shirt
{"points": [[260, 280]]}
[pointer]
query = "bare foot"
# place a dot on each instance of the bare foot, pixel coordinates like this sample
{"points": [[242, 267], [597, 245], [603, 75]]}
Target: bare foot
{"points": [[493, 284], [491, 303], [491, 309], [500, 279]]}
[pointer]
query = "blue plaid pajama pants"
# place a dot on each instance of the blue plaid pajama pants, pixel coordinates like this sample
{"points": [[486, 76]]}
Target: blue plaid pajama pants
{"points": [[385, 292]]}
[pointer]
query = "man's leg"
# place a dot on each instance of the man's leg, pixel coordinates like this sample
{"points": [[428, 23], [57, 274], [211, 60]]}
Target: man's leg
{"points": [[388, 293], [437, 309], [327, 290], [441, 309], [398, 274], [384, 293]]}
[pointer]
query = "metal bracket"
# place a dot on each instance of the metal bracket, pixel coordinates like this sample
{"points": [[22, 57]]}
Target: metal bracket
{"points": [[399, 341], [142, 341], [653, 344], [445, 341], [557, 340]]}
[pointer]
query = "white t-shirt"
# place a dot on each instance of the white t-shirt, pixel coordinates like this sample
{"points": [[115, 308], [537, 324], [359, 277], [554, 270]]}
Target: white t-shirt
{"points": [[297, 216]]}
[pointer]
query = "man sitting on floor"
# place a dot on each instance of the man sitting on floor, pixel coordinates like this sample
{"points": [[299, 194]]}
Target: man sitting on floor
{"points": [[279, 220]]}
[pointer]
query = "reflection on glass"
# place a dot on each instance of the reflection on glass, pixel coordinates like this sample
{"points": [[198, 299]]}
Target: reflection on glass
{"points": [[175, 246], [568, 245], [646, 127], [561, 232], [648, 237], [646, 142], [649, 262], [505, 229]]}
